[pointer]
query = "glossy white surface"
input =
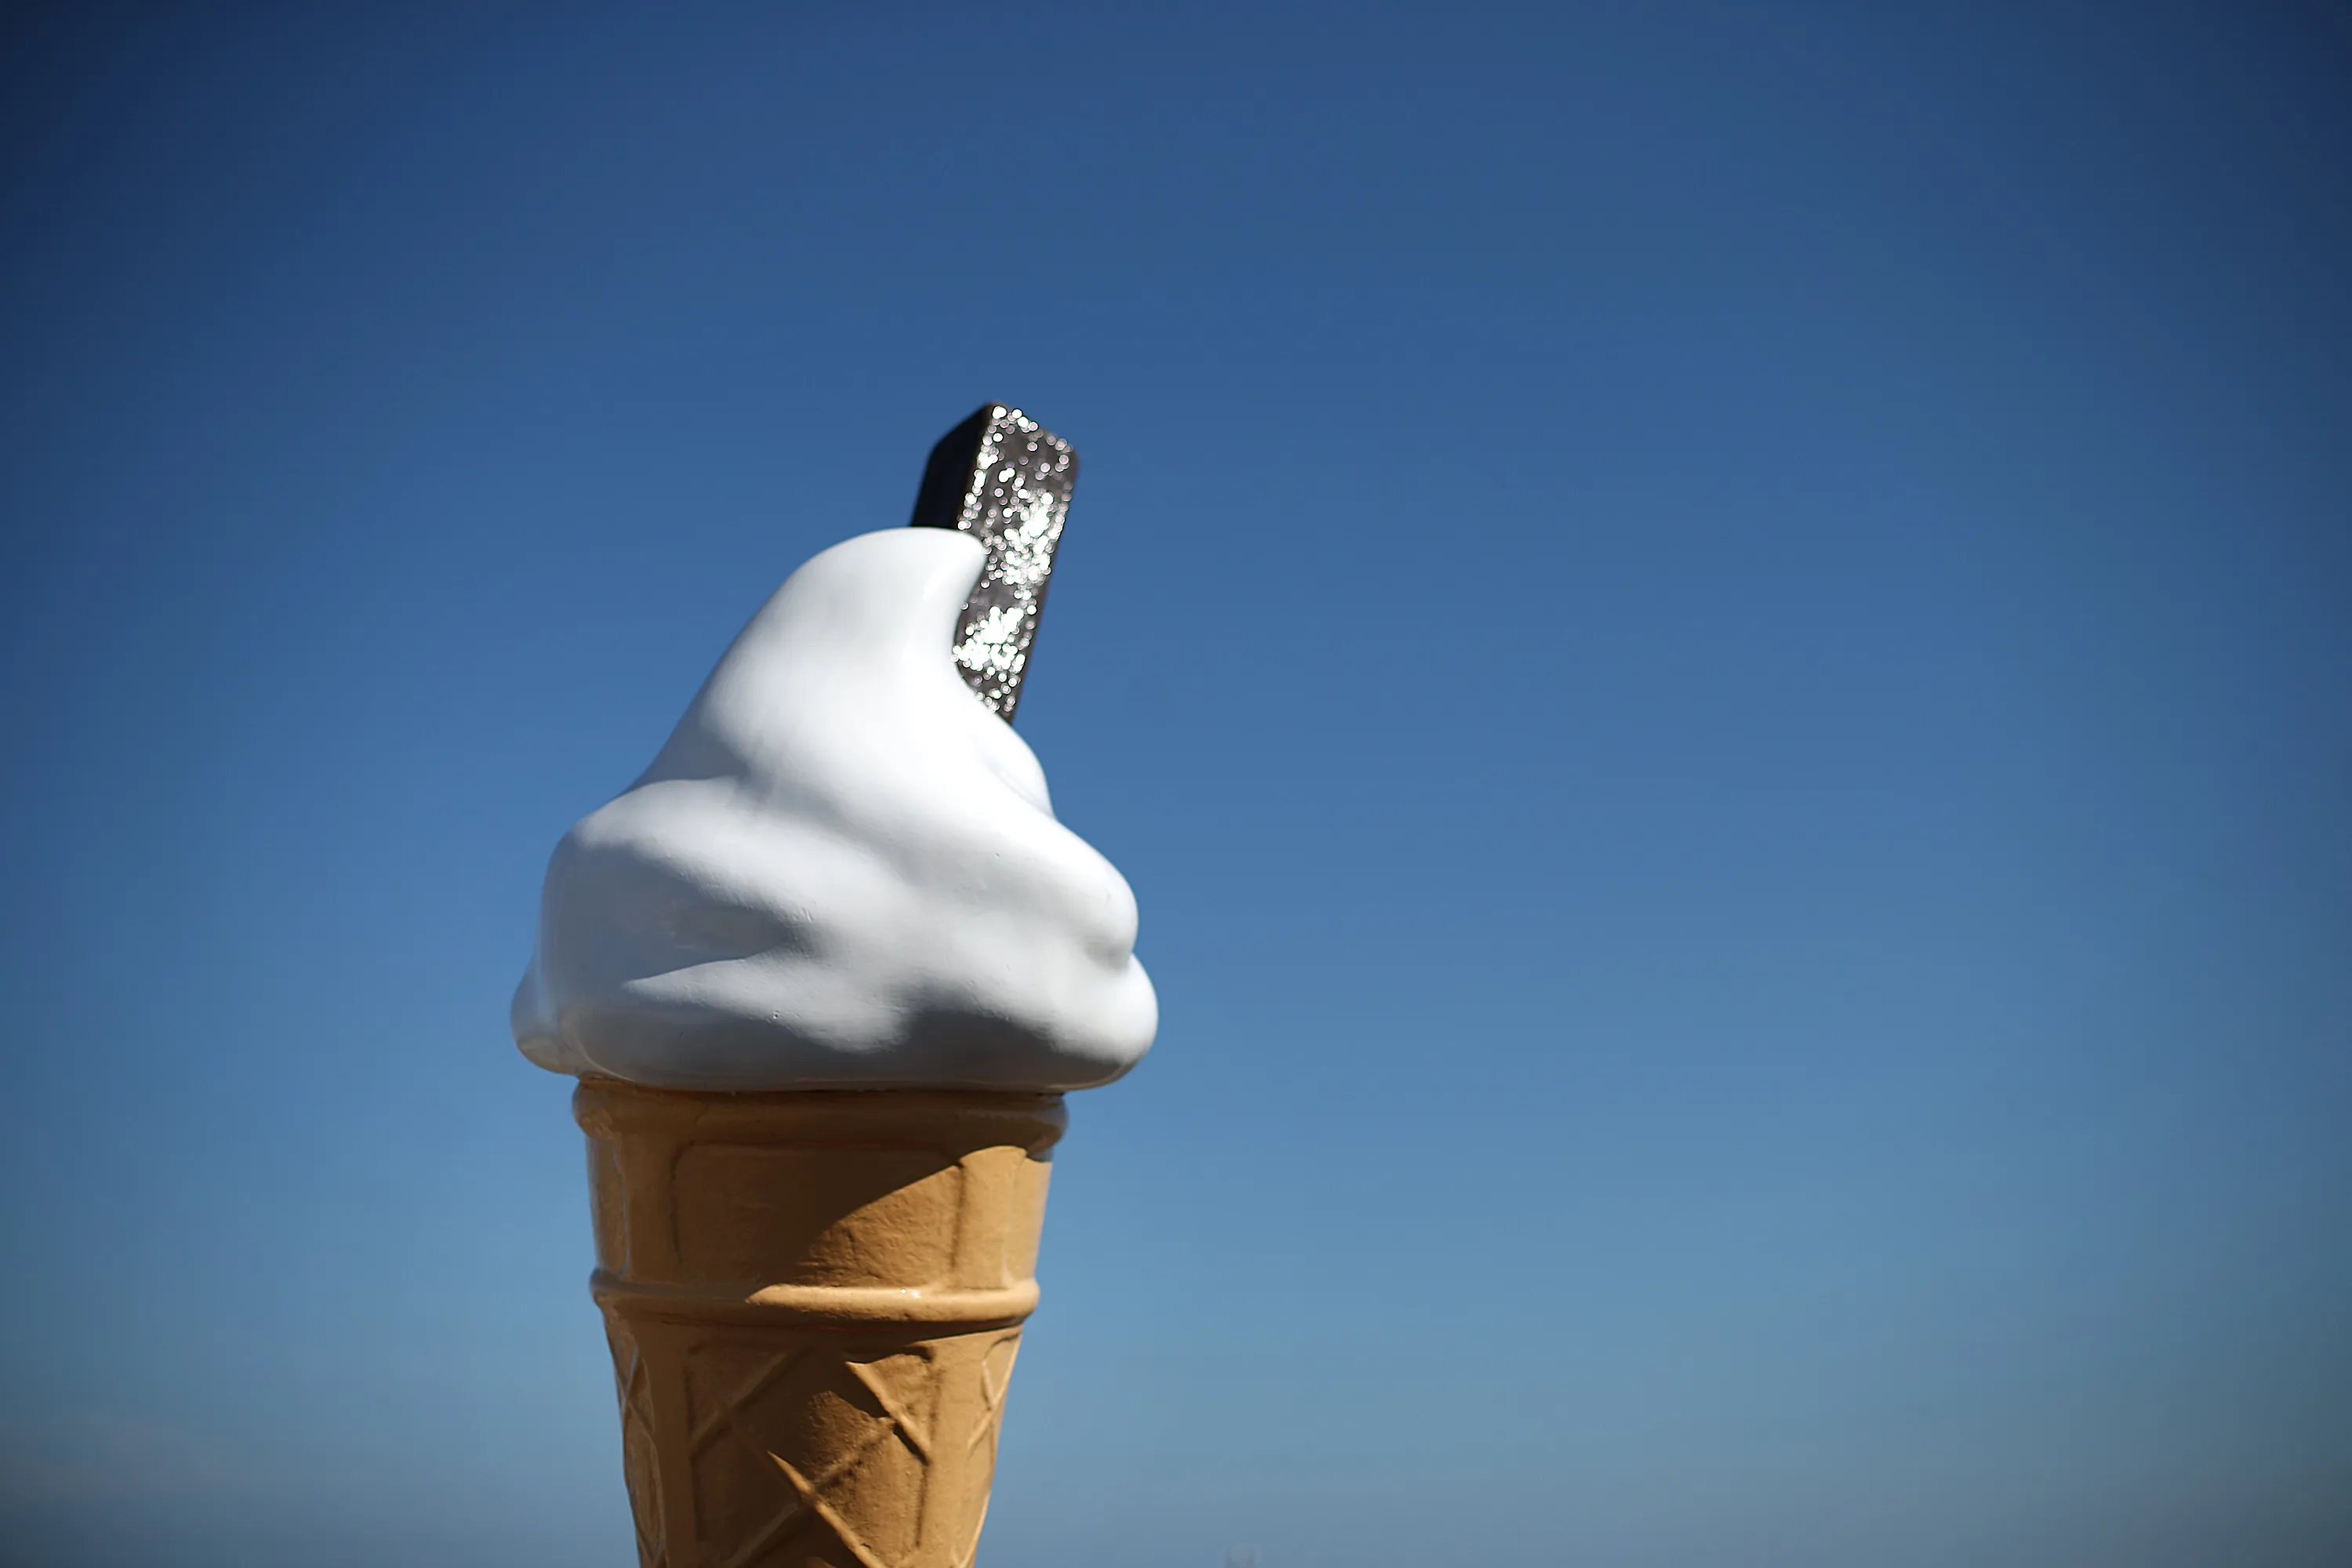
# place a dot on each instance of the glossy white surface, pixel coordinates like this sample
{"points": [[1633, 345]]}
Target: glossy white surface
{"points": [[842, 870]]}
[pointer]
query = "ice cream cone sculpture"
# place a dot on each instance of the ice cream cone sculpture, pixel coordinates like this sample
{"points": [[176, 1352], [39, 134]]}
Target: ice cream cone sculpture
{"points": [[824, 972]]}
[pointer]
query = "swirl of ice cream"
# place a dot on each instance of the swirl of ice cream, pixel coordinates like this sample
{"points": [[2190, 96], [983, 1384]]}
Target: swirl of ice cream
{"points": [[841, 871]]}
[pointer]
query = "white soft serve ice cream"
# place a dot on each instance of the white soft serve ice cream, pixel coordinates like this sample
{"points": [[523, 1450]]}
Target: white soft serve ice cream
{"points": [[841, 871]]}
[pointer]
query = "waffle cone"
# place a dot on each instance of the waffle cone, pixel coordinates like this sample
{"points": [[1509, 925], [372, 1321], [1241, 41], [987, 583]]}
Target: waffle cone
{"points": [[814, 1302]]}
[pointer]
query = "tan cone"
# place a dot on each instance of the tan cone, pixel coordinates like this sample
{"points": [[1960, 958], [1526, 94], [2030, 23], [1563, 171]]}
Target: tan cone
{"points": [[813, 1302]]}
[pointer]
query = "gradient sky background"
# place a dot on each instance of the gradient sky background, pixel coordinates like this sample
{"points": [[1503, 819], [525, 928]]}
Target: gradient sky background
{"points": [[1718, 640]]}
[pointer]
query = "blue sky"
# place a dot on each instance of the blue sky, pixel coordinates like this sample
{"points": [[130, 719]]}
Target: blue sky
{"points": [[1718, 641]]}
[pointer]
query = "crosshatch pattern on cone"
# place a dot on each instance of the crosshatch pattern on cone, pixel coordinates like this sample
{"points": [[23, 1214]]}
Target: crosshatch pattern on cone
{"points": [[813, 1302]]}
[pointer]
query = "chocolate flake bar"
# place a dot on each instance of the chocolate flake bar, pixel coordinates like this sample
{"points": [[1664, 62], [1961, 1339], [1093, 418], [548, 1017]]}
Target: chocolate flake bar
{"points": [[1005, 479]]}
